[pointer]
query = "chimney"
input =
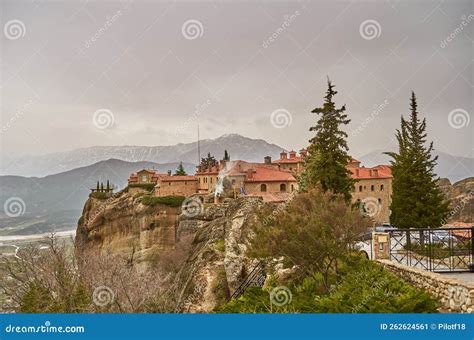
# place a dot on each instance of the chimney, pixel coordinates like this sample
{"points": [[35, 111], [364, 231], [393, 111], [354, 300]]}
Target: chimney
{"points": [[303, 153], [283, 155], [169, 172], [268, 160], [292, 154], [249, 173]]}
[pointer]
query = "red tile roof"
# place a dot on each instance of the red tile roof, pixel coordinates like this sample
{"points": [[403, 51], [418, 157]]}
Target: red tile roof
{"points": [[379, 171], [296, 159], [265, 174]]}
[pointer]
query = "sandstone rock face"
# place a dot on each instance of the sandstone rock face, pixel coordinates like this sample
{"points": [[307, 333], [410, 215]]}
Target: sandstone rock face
{"points": [[461, 195], [218, 261], [121, 225], [215, 262]]}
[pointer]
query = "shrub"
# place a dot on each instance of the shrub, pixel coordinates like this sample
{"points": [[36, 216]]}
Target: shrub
{"points": [[363, 287], [314, 231], [172, 201]]}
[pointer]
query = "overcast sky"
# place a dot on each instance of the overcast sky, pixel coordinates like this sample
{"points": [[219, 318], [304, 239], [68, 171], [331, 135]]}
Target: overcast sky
{"points": [[83, 73]]}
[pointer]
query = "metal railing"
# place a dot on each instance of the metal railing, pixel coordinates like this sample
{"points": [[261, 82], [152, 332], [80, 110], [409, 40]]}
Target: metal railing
{"points": [[437, 250], [255, 278]]}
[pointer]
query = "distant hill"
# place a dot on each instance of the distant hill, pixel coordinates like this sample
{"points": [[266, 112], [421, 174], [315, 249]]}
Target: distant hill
{"points": [[239, 147], [64, 194], [455, 168]]}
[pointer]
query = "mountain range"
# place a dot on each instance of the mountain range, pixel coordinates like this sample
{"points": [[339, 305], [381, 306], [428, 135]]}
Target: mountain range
{"points": [[55, 201], [238, 147]]}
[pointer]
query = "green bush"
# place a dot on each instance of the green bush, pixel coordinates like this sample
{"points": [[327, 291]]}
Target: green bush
{"points": [[362, 287], [146, 186], [100, 195], [172, 201]]}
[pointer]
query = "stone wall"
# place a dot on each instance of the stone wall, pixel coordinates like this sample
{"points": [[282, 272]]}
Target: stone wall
{"points": [[454, 295]]}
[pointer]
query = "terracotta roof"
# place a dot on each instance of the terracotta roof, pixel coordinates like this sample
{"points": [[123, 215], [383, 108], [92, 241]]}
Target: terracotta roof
{"points": [[379, 171], [265, 174], [167, 178], [296, 159]]}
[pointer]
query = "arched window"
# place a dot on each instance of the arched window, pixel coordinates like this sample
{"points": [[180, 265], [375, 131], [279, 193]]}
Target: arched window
{"points": [[372, 188], [283, 187], [263, 187], [381, 187], [360, 188]]}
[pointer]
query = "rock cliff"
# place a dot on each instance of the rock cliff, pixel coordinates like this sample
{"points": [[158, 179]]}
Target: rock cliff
{"points": [[214, 243], [461, 195]]}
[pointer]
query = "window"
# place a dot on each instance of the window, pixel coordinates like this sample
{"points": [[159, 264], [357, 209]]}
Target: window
{"points": [[263, 187], [380, 201], [144, 178], [211, 180], [381, 187], [283, 187], [169, 183], [233, 182], [372, 188], [292, 188], [360, 188]]}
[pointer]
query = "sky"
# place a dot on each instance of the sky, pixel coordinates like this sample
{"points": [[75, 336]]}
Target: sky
{"points": [[82, 73]]}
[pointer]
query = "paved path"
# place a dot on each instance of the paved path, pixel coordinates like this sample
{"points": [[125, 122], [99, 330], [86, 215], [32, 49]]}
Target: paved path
{"points": [[466, 277]]}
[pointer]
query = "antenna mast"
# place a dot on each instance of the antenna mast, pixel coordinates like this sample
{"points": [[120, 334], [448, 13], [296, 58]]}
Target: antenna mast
{"points": [[199, 148]]}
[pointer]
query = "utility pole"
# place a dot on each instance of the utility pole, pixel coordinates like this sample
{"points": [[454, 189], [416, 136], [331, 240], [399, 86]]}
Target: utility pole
{"points": [[199, 148]]}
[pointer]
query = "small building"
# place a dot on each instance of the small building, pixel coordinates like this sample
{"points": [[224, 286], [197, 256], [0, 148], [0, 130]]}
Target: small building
{"points": [[373, 188], [176, 185], [291, 161], [145, 176]]}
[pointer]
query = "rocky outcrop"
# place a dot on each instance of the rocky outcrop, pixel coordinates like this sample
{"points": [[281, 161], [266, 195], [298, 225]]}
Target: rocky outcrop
{"points": [[461, 195], [215, 242], [122, 225], [218, 260]]}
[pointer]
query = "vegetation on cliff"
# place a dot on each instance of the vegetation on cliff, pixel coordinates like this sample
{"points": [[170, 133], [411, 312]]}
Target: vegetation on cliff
{"points": [[172, 201]]}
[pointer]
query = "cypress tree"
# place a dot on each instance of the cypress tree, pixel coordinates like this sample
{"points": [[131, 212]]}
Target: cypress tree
{"points": [[180, 170], [226, 156], [417, 201], [327, 158]]}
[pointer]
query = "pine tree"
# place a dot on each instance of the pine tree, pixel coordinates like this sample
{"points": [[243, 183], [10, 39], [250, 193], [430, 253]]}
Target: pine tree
{"points": [[417, 201], [180, 170], [209, 161], [327, 158], [226, 156]]}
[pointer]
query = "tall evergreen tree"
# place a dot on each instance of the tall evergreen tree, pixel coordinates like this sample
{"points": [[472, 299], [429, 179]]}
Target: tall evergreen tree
{"points": [[209, 161], [417, 201], [180, 170], [226, 156], [327, 158]]}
